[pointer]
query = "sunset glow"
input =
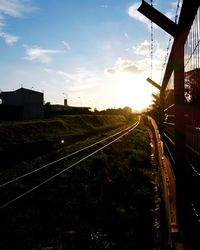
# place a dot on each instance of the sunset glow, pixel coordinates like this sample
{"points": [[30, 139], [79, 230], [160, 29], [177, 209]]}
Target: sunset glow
{"points": [[131, 91], [94, 62]]}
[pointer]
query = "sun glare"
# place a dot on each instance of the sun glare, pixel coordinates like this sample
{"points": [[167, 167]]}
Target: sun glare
{"points": [[133, 92]]}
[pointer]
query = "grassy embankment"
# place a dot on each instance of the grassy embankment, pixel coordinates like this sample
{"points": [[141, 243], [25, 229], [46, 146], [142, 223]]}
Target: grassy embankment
{"points": [[25, 140], [104, 203]]}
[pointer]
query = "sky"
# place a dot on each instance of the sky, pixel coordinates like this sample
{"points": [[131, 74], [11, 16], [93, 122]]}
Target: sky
{"points": [[94, 53]]}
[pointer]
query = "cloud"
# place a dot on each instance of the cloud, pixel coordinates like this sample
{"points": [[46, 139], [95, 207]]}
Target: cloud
{"points": [[134, 13], [66, 44], [8, 38], [142, 64], [39, 54], [121, 66], [105, 6], [109, 71], [169, 14], [2, 23], [174, 4], [81, 80], [174, 11], [15, 8], [67, 77], [142, 49], [158, 52]]}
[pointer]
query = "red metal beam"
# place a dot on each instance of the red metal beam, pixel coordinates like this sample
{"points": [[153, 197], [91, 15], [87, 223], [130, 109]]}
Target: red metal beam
{"points": [[158, 18], [153, 83], [188, 12]]}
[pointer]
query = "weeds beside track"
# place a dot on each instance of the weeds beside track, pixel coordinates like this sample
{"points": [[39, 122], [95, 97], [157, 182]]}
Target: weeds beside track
{"points": [[94, 148], [103, 203]]}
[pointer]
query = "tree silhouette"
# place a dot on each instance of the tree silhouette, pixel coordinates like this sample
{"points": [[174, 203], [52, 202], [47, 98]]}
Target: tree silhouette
{"points": [[192, 87]]}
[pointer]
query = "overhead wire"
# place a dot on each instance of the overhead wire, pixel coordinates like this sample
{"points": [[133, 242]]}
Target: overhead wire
{"points": [[170, 39], [151, 44]]}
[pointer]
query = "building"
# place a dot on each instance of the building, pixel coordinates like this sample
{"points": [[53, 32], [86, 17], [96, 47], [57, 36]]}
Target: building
{"points": [[27, 103], [58, 109]]}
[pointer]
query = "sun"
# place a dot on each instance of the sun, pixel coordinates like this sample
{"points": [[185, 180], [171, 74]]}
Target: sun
{"points": [[124, 89], [133, 91]]}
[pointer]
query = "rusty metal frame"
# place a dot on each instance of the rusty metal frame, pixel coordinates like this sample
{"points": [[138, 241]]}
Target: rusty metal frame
{"points": [[175, 66], [175, 63]]}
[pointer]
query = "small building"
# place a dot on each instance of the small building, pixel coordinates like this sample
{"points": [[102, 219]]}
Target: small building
{"points": [[29, 104], [58, 109]]}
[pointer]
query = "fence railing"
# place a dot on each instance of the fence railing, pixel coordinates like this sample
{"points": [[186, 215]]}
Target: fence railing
{"points": [[179, 110], [180, 97]]}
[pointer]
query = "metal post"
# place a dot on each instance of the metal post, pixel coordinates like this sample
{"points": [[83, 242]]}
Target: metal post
{"points": [[178, 61]]}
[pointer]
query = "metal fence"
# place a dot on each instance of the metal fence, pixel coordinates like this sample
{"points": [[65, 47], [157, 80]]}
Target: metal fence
{"points": [[192, 95], [169, 121], [180, 103], [179, 110], [190, 128]]}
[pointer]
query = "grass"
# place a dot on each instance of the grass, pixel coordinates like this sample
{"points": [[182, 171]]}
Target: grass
{"points": [[31, 131], [29, 139], [103, 203]]}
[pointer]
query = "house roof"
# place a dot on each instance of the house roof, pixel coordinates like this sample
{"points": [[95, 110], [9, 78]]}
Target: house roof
{"points": [[26, 90], [21, 90]]}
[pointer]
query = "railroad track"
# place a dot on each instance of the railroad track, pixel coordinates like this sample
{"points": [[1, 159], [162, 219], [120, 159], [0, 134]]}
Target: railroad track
{"points": [[60, 166]]}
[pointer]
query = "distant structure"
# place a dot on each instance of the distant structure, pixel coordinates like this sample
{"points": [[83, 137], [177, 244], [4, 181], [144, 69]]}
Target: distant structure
{"points": [[21, 104], [65, 102], [58, 109]]}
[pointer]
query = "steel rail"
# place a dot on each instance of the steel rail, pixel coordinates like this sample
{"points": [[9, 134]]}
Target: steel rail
{"points": [[62, 158], [69, 167], [170, 153]]}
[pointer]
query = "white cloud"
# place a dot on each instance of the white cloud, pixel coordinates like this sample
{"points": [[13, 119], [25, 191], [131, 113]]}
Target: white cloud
{"points": [[2, 23], [141, 65], [159, 53], [39, 54], [8, 38], [142, 49], [15, 8], [123, 65], [67, 77], [175, 10], [66, 44], [134, 13], [81, 80], [169, 14], [174, 3], [12, 8]]}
